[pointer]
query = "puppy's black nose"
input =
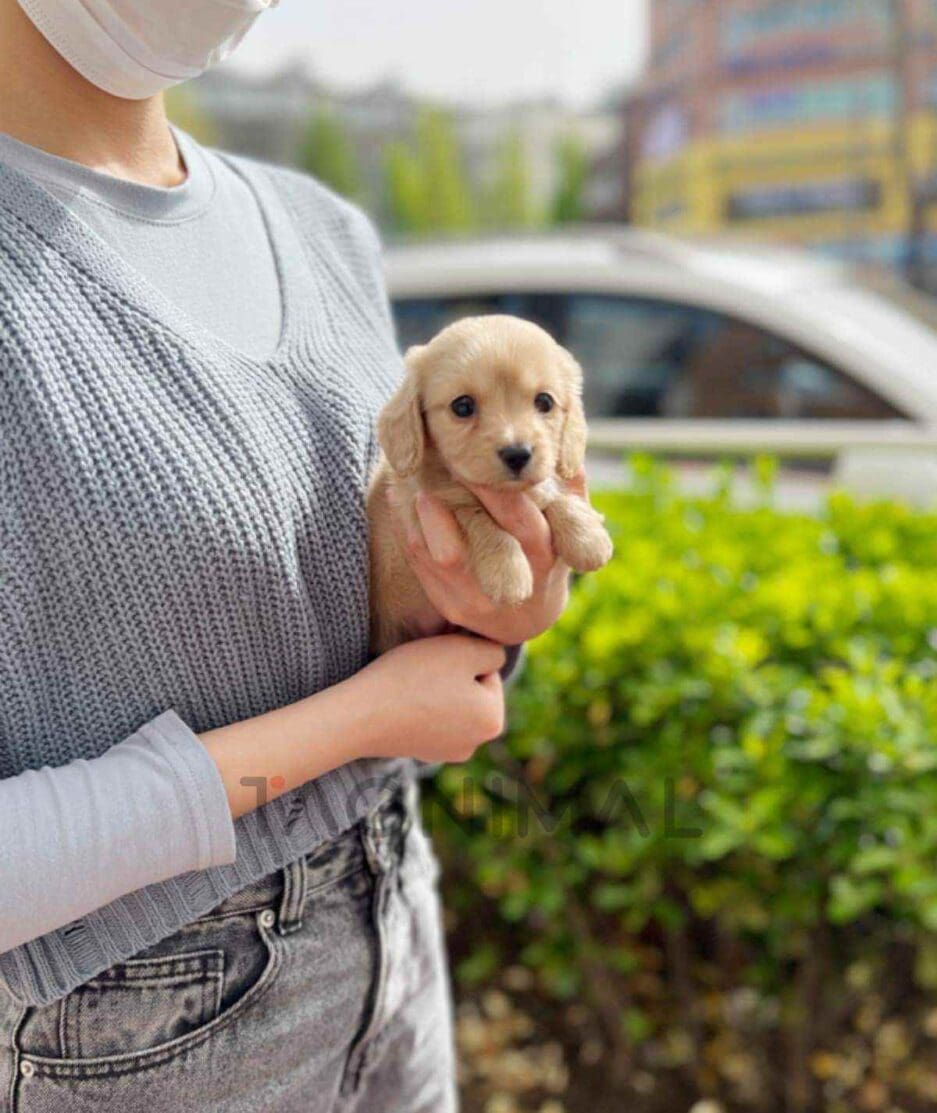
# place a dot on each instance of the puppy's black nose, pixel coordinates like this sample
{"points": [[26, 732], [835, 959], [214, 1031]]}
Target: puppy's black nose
{"points": [[516, 456]]}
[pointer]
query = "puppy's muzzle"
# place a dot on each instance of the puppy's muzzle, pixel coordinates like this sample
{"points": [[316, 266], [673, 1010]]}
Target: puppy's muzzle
{"points": [[516, 456]]}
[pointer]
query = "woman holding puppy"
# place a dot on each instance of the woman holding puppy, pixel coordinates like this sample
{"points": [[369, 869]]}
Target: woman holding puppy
{"points": [[214, 889]]}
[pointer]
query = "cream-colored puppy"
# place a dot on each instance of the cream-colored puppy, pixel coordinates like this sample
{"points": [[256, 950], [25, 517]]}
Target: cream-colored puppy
{"points": [[496, 402]]}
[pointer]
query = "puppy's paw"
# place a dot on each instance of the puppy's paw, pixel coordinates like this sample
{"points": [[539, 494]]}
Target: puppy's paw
{"points": [[579, 536], [503, 573], [513, 585], [588, 551]]}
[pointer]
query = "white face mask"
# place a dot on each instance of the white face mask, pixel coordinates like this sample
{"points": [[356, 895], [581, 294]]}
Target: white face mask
{"points": [[135, 48]]}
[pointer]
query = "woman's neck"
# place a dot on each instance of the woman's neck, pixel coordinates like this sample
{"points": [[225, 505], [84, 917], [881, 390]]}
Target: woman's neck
{"points": [[48, 104]]}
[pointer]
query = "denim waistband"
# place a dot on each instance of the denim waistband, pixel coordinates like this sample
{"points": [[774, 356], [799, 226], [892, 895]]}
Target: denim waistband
{"points": [[376, 840]]}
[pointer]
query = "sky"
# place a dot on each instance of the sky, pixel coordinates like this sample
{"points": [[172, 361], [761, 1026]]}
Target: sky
{"points": [[484, 51]]}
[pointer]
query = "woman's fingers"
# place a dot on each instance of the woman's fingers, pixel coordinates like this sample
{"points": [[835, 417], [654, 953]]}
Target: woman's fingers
{"points": [[516, 513], [440, 531], [454, 592], [489, 657], [437, 556]]}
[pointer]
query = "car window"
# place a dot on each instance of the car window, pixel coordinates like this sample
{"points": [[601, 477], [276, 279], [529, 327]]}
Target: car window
{"points": [[648, 358], [419, 319], [645, 358]]}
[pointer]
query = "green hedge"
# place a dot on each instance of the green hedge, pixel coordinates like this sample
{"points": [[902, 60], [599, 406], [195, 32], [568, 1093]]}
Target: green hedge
{"points": [[726, 754]]}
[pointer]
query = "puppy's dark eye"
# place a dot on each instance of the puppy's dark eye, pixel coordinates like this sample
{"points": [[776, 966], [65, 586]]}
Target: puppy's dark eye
{"points": [[544, 403], [463, 406]]}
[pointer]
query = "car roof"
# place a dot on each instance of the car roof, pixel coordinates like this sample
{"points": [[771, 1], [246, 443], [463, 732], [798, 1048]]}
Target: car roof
{"points": [[768, 267], [814, 301]]}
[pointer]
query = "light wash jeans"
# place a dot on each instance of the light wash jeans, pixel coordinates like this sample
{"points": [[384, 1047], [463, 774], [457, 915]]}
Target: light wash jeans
{"points": [[322, 989]]}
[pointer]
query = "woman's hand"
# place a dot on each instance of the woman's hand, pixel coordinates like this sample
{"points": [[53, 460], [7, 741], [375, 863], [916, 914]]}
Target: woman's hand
{"points": [[437, 699], [439, 559]]}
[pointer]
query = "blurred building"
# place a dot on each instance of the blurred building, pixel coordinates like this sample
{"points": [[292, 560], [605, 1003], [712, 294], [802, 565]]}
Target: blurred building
{"points": [[267, 117], [261, 116], [606, 193], [811, 121], [539, 125]]}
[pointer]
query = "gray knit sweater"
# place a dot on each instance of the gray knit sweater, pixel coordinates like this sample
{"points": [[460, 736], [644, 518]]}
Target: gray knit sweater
{"points": [[182, 529]]}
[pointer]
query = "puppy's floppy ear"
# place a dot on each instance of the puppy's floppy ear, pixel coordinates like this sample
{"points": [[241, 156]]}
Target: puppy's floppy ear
{"points": [[400, 424], [572, 448]]}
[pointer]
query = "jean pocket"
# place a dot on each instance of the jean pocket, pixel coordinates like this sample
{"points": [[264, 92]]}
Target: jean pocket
{"points": [[151, 1008], [141, 1003]]}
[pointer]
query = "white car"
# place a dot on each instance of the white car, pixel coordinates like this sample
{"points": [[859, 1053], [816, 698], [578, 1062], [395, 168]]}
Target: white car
{"points": [[706, 348]]}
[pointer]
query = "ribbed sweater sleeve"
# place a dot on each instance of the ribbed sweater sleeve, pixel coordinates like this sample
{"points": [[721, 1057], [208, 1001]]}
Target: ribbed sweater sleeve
{"points": [[78, 836]]}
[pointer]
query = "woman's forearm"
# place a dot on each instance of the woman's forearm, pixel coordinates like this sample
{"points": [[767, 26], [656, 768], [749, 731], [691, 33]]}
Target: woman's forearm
{"points": [[435, 699], [263, 757]]}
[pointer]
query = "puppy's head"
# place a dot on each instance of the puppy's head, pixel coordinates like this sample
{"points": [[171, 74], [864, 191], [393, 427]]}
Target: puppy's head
{"points": [[496, 398]]}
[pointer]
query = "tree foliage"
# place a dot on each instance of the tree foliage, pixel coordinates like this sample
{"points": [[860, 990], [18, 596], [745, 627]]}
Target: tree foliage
{"points": [[404, 189], [328, 154], [509, 199], [426, 186], [572, 170], [184, 110]]}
